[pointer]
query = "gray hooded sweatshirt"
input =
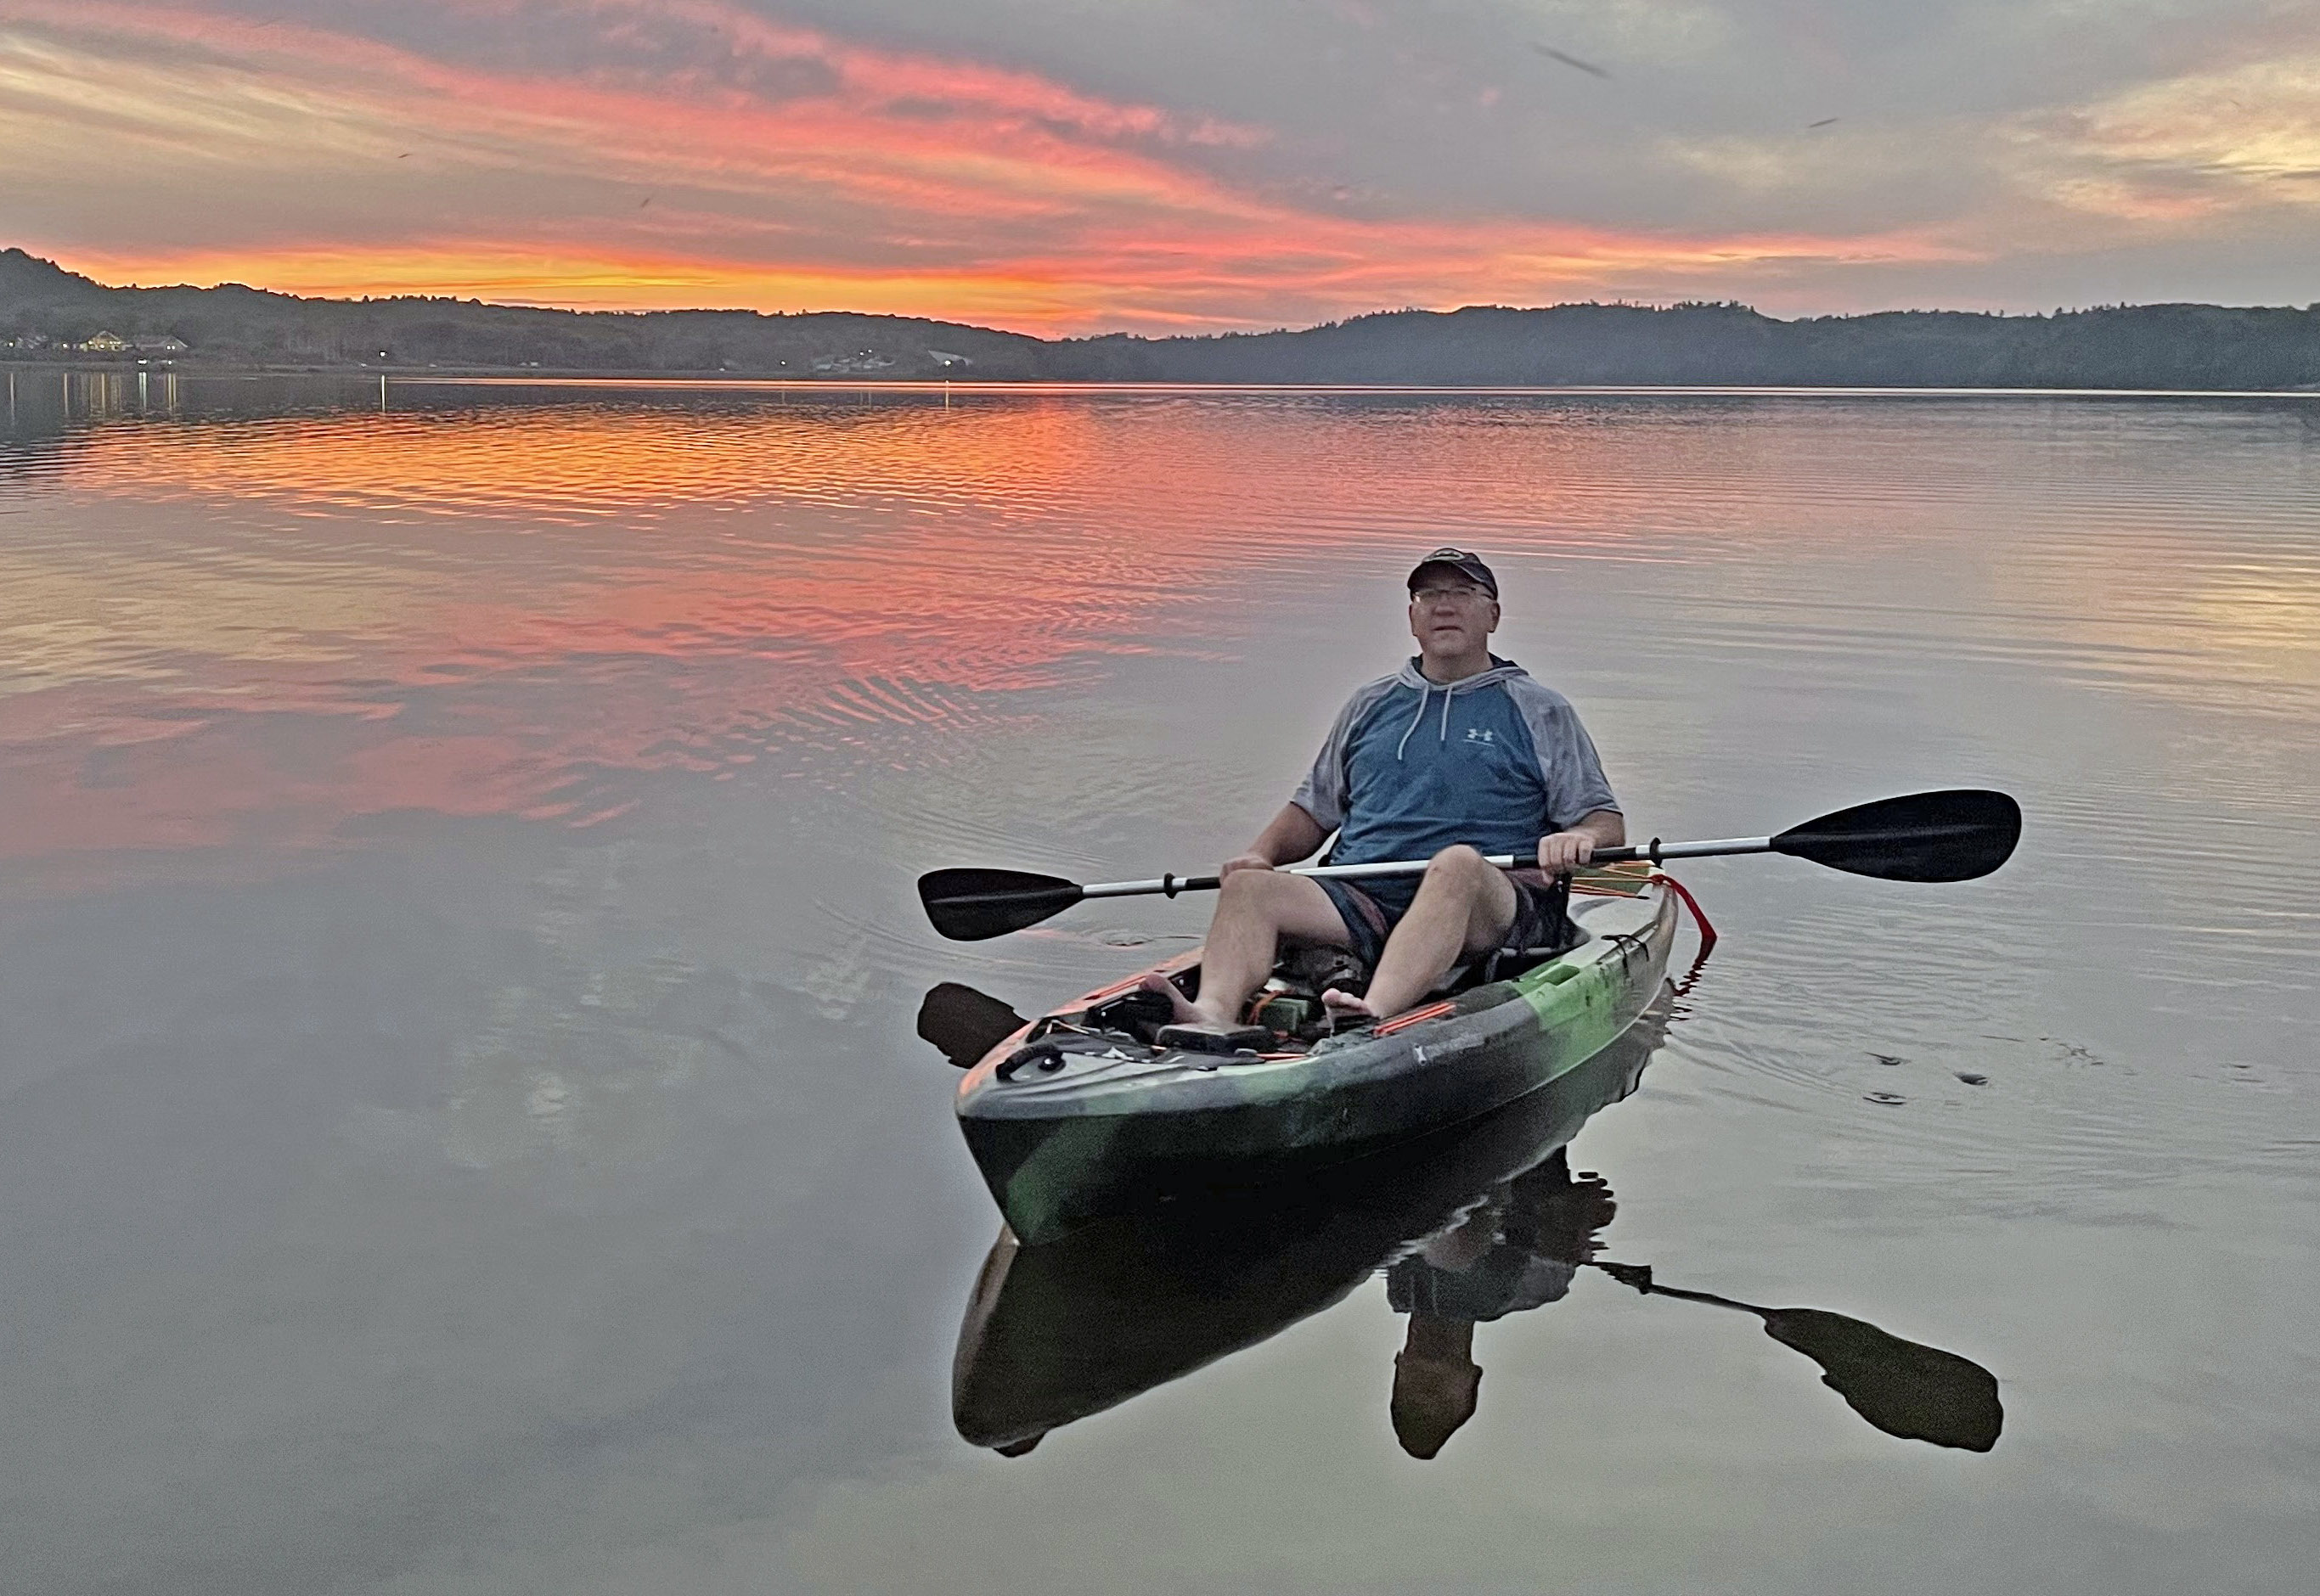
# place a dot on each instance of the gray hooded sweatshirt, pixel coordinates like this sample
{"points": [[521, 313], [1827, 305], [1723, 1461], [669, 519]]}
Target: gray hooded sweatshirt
{"points": [[1411, 767]]}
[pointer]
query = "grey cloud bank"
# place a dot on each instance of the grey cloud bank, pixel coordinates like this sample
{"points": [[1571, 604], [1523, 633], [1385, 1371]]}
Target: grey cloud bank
{"points": [[1160, 164]]}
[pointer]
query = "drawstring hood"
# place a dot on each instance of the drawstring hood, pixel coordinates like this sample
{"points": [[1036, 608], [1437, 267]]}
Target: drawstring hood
{"points": [[1424, 688], [1411, 676]]}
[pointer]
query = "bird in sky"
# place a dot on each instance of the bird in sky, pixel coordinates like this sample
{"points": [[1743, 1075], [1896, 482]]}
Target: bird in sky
{"points": [[1589, 68]]}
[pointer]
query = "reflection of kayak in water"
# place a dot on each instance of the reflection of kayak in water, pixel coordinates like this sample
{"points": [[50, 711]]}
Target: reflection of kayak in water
{"points": [[1476, 1223], [1087, 1112], [1057, 1331]]}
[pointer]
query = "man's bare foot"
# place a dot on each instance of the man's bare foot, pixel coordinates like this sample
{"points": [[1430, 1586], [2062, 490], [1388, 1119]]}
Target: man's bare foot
{"points": [[1185, 1011], [1345, 1008]]}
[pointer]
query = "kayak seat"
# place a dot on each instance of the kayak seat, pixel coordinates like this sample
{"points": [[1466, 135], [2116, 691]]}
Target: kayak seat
{"points": [[1548, 934], [1306, 972], [1504, 965], [1508, 963], [1309, 971], [1289, 1006]]}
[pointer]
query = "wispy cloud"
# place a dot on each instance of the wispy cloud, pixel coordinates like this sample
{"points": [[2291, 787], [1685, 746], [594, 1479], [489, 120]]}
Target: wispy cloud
{"points": [[2187, 149], [509, 149]]}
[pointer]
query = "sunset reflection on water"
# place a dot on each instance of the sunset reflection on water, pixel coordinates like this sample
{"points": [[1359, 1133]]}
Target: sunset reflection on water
{"points": [[459, 973], [496, 599]]}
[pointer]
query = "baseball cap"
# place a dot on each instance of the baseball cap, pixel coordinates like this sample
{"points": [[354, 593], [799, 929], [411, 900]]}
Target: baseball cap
{"points": [[1465, 562]]}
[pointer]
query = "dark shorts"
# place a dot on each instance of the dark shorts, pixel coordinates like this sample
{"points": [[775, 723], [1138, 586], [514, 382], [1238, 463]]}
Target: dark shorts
{"points": [[1505, 1280], [1371, 913]]}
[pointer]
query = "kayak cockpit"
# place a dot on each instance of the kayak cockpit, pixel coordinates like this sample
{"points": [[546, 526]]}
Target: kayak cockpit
{"points": [[1116, 1032]]}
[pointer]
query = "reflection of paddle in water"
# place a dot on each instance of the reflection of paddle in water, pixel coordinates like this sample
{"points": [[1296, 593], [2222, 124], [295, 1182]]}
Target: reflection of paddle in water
{"points": [[1517, 1250], [1918, 1393], [965, 1023]]}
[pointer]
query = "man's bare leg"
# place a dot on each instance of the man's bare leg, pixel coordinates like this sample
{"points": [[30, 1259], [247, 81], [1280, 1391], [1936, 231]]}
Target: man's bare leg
{"points": [[1254, 910], [1463, 910]]}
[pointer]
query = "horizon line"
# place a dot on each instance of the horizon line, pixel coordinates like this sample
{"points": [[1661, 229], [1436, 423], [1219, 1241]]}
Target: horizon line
{"points": [[932, 385], [1656, 305]]}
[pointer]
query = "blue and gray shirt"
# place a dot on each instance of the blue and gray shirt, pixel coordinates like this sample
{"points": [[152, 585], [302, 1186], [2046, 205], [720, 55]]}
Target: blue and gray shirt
{"points": [[1413, 767]]}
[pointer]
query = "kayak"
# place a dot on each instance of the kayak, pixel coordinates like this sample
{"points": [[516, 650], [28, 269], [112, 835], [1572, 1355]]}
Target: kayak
{"points": [[1056, 1332], [1088, 1111]]}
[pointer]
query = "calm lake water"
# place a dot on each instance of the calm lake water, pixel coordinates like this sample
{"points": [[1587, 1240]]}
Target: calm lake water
{"points": [[461, 1122]]}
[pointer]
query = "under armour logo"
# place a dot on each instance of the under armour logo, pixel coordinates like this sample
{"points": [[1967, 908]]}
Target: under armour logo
{"points": [[1475, 733]]}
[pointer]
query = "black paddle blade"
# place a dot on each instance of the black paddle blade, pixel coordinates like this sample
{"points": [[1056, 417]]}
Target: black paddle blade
{"points": [[1920, 1393], [965, 1023], [969, 906], [1923, 837]]}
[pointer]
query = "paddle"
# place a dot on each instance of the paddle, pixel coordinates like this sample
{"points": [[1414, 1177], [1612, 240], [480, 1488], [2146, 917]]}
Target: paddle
{"points": [[1918, 1393], [1953, 835]]}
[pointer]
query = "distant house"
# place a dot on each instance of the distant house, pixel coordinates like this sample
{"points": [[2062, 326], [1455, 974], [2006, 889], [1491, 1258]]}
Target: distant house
{"points": [[24, 343], [862, 362], [106, 343], [159, 344], [946, 359]]}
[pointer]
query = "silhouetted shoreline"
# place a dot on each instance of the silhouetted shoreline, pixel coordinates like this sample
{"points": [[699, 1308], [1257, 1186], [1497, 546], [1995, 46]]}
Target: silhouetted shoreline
{"points": [[50, 316]]}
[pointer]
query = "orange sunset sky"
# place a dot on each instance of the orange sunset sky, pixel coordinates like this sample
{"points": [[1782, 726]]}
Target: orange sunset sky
{"points": [[1077, 166]]}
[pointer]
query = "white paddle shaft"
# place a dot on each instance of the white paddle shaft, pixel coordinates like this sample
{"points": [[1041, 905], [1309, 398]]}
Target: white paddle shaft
{"points": [[1656, 850]]}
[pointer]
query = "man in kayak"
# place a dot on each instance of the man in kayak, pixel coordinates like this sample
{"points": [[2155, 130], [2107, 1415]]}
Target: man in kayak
{"points": [[1456, 755]]}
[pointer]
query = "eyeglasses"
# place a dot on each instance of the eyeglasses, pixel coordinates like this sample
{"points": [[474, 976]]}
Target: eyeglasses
{"points": [[1460, 595]]}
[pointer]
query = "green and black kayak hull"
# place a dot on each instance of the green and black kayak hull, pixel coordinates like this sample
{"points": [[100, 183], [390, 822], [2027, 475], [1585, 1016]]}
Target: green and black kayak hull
{"points": [[1054, 1332], [1106, 1126]]}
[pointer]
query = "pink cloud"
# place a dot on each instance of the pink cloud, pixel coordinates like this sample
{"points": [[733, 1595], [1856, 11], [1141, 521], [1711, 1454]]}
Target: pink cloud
{"points": [[864, 178]]}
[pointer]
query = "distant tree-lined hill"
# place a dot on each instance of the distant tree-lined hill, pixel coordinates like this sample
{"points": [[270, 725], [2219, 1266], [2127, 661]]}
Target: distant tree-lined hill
{"points": [[2125, 346], [45, 310], [235, 325]]}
